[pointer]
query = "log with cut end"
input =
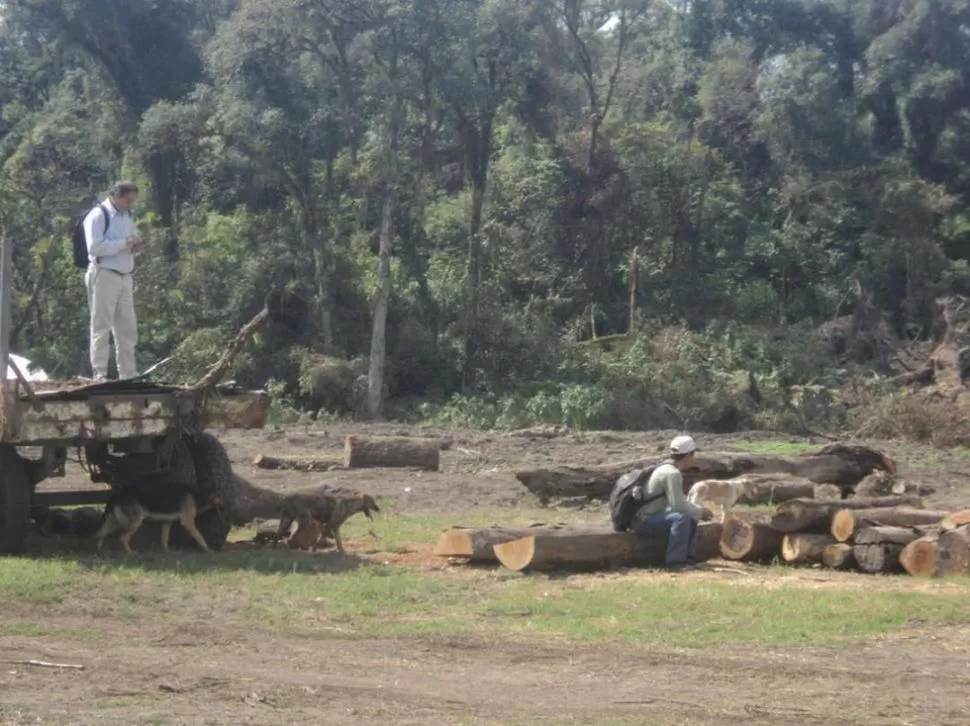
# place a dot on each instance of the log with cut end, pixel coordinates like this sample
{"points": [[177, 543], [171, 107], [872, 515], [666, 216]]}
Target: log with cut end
{"points": [[596, 551], [476, 545], [813, 515], [836, 464], [918, 558], [826, 491], [282, 463], [838, 556], [875, 558], [390, 452], [955, 519], [846, 522], [804, 549], [749, 541], [953, 552]]}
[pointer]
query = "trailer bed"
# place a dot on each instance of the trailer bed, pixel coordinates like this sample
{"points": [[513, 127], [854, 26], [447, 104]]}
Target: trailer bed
{"points": [[78, 412]]}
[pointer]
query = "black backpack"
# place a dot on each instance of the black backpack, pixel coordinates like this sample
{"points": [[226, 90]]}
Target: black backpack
{"points": [[80, 242], [628, 496]]}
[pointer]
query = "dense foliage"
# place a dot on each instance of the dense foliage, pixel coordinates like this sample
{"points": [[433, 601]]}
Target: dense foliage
{"points": [[773, 165]]}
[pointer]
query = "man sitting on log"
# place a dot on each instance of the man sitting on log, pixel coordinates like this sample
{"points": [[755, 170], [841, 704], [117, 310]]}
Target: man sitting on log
{"points": [[667, 511]]}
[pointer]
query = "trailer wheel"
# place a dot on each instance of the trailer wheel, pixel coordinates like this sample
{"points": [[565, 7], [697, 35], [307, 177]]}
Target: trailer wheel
{"points": [[213, 471], [14, 502]]}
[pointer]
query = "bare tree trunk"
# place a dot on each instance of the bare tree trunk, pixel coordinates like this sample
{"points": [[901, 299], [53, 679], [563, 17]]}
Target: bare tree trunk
{"points": [[378, 341]]}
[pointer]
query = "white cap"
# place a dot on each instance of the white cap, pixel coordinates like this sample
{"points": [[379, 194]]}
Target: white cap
{"points": [[682, 445]]}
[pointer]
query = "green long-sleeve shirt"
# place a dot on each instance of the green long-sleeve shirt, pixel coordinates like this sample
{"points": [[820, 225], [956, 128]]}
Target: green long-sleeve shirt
{"points": [[668, 479]]}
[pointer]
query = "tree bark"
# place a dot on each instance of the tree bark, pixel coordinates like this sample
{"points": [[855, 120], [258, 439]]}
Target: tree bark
{"points": [[875, 558], [810, 515], [280, 463], [888, 535], [838, 556], [598, 551], [834, 464], [953, 552], [378, 343], [361, 452], [749, 541], [846, 522], [477, 545], [918, 558], [774, 488], [804, 549]]}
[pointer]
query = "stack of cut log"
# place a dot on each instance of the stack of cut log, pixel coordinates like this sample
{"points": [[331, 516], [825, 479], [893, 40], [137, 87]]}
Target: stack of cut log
{"points": [[812, 523], [879, 535]]}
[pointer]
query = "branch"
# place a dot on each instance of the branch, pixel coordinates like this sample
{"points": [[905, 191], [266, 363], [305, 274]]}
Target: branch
{"points": [[215, 374]]}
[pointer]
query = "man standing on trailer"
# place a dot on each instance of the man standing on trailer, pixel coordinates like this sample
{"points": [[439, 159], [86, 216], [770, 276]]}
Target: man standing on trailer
{"points": [[113, 242]]}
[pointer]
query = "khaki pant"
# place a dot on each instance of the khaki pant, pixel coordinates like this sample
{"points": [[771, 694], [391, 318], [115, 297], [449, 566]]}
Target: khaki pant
{"points": [[112, 305]]}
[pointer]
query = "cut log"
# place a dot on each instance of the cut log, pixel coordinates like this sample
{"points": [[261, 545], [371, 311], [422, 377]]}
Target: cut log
{"points": [[598, 551], [368, 452], [845, 522], [774, 488], [875, 558], [289, 464], [749, 541], [476, 545], [826, 492], [838, 556], [955, 519], [953, 552], [811, 515], [836, 464], [918, 558], [804, 549], [886, 535]]}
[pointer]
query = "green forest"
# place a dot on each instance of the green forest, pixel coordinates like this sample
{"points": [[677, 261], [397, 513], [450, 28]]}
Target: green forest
{"points": [[699, 214]]}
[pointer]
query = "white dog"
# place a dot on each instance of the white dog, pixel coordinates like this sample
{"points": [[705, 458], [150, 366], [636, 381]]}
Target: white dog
{"points": [[725, 492]]}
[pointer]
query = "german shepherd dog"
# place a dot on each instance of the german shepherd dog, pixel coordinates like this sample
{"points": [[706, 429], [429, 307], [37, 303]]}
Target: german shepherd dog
{"points": [[331, 508], [150, 499]]}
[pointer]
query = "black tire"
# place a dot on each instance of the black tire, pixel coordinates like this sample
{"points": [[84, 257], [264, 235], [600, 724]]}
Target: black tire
{"points": [[14, 502], [213, 471]]}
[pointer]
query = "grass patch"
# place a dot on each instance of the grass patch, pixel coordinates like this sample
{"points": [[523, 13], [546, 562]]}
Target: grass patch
{"points": [[356, 595]]}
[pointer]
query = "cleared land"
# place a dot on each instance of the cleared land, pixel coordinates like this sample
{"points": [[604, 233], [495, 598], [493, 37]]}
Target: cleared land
{"points": [[390, 634]]}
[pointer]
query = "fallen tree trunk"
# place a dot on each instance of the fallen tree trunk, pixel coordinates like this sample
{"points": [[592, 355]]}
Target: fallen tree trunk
{"points": [[918, 558], [289, 464], [476, 545], [846, 522], [749, 541], [811, 515], [953, 552], [955, 519], [804, 549], [597, 551], [887, 535], [836, 464], [389, 452], [875, 558], [838, 556]]}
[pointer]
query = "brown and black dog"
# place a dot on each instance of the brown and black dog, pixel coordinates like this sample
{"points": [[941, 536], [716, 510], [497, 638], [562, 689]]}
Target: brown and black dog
{"points": [[167, 503], [330, 507]]}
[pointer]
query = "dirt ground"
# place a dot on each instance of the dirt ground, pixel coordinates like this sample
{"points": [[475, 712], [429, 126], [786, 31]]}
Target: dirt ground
{"points": [[182, 670]]}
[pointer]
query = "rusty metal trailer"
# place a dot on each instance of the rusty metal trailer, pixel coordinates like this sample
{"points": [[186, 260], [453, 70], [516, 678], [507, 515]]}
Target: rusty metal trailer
{"points": [[117, 431]]}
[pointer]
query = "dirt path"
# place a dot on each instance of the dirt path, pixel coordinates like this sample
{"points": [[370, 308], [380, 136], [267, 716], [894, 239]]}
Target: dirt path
{"points": [[175, 672]]}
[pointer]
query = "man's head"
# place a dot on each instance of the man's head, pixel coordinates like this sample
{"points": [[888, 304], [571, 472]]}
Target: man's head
{"points": [[682, 451], [123, 195]]}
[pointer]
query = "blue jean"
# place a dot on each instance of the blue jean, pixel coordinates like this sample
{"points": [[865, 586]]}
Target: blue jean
{"points": [[681, 531]]}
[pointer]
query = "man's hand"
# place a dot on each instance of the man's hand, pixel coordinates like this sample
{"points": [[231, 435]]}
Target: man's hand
{"points": [[135, 244], [706, 515]]}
